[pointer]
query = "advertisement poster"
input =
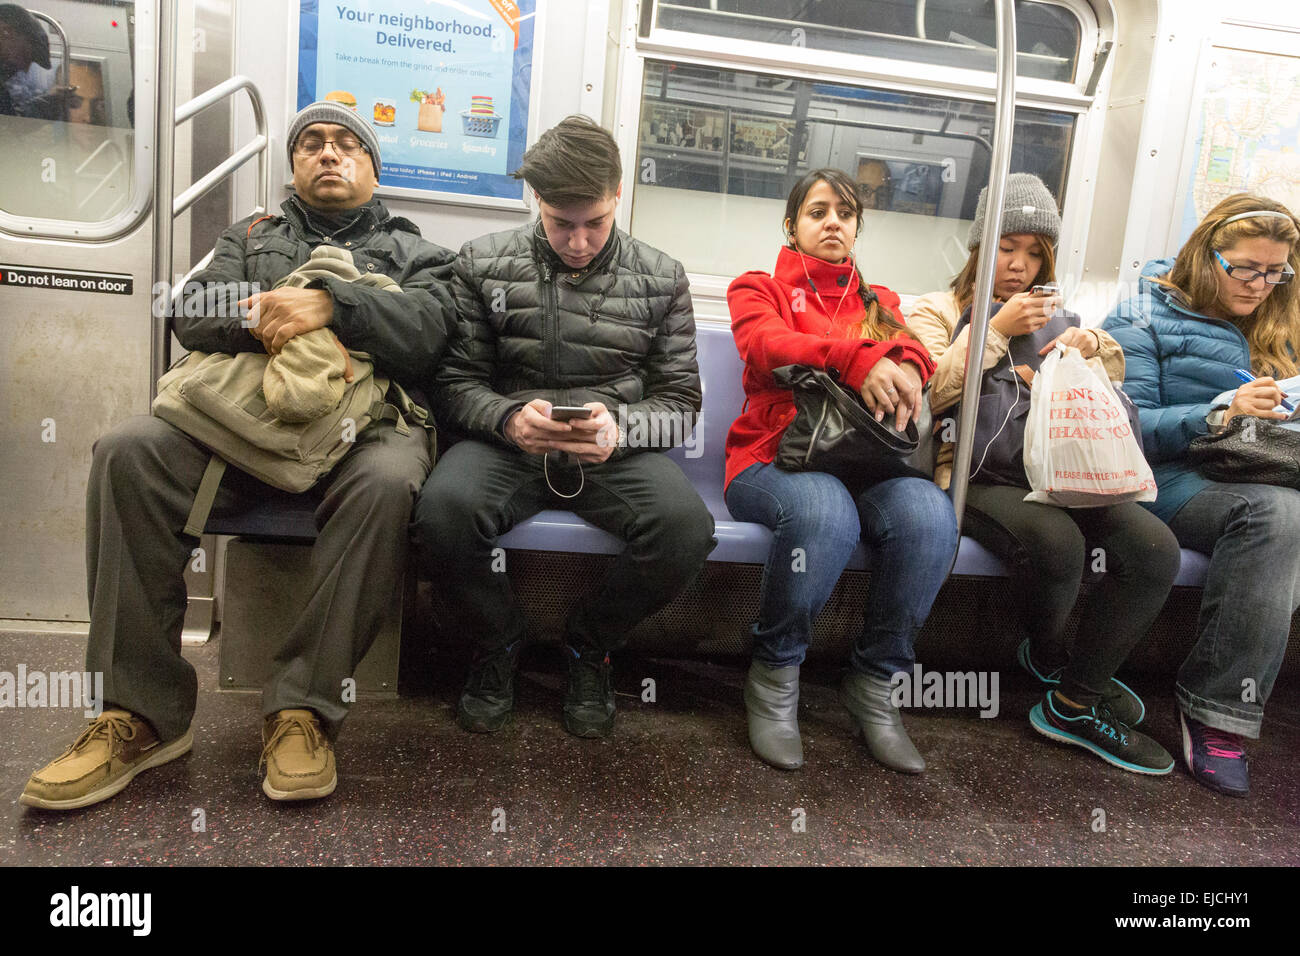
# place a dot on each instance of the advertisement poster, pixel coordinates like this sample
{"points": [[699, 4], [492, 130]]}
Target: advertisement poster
{"points": [[444, 83]]}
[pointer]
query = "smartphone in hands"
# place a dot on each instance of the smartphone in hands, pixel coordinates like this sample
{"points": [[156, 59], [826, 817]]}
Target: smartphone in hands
{"points": [[566, 413]]}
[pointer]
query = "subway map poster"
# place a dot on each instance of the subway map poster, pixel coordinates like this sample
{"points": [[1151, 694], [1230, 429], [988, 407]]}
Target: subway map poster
{"points": [[445, 85], [1247, 136]]}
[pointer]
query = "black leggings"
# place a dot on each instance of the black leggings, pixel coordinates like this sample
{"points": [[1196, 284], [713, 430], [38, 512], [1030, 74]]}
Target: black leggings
{"points": [[1047, 549]]}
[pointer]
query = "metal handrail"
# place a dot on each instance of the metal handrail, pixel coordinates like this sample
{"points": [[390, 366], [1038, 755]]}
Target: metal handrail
{"points": [[106, 178], [178, 293], [163, 183], [214, 177], [164, 214], [258, 144], [1003, 126], [64, 67], [103, 181], [91, 158]]}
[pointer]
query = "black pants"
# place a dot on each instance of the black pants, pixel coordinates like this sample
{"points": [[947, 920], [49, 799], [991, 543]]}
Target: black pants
{"points": [[478, 492], [1047, 550]]}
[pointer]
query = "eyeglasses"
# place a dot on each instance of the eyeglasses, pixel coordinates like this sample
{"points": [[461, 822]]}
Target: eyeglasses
{"points": [[311, 145], [1246, 274]]}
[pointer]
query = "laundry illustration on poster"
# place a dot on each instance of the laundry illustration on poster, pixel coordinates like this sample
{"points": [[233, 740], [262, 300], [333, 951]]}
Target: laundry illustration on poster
{"points": [[444, 83]]}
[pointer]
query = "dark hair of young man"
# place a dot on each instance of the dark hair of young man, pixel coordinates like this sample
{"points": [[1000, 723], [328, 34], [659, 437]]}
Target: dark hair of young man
{"points": [[576, 161]]}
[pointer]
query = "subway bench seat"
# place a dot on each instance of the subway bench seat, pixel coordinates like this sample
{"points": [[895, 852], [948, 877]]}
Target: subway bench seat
{"points": [[739, 542]]}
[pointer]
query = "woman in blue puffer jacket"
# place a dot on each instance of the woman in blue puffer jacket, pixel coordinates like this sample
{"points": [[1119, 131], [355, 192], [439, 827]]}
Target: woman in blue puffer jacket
{"points": [[1226, 302]]}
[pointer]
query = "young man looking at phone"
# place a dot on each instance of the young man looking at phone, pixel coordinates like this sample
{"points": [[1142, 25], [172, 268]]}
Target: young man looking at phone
{"points": [[565, 312]]}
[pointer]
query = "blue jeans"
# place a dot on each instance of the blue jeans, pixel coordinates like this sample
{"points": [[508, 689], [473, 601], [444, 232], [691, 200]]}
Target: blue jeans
{"points": [[1252, 535], [910, 532]]}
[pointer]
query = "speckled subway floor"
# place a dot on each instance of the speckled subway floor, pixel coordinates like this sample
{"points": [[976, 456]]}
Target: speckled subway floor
{"points": [[675, 784]]}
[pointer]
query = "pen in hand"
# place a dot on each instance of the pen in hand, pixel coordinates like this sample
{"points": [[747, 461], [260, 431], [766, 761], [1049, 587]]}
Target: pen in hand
{"points": [[1246, 378]]}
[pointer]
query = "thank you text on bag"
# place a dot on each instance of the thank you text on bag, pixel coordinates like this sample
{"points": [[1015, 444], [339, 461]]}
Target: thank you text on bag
{"points": [[1080, 450]]}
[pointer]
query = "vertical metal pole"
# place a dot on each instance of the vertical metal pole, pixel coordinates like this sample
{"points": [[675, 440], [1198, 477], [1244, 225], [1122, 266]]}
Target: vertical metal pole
{"points": [[1004, 118], [163, 186]]}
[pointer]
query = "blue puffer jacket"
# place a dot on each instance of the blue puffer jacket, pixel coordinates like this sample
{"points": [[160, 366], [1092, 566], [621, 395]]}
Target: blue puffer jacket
{"points": [[1176, 362]]}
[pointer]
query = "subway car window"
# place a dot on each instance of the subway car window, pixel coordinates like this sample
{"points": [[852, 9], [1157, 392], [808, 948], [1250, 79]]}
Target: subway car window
{"points": [[720, 149], [951, 33], [67, 110]]}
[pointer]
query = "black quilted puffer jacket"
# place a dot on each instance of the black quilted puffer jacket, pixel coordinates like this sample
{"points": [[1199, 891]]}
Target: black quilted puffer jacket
{"points": [[620, 332]]}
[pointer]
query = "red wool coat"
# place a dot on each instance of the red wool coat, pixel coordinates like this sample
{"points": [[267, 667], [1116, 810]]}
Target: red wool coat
{"points": [[779, 320]]}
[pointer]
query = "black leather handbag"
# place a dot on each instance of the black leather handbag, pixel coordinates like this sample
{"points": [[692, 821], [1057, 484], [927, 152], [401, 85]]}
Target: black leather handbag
{"points": [[832, 431], [1251, 449]]}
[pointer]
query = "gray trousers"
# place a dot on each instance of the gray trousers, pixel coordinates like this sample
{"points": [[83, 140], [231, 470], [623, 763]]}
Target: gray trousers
{"points": [[143, 477], [1252, 590]]}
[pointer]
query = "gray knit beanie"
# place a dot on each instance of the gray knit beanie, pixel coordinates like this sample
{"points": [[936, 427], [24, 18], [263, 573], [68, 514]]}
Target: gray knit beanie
{"points": [[327, 111], [1028, 208]]}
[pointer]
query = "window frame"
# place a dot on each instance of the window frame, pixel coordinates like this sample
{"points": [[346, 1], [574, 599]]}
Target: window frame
{"points": [[145, 69], [1097, 25], [830, 62]]}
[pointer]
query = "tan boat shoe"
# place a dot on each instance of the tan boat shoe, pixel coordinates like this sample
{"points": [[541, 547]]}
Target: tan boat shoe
{"points": [[299, 758], [101, 762]]}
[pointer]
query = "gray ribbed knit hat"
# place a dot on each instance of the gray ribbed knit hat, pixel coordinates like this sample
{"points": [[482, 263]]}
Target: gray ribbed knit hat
{"points": [[1028, 208], [327, 111]]}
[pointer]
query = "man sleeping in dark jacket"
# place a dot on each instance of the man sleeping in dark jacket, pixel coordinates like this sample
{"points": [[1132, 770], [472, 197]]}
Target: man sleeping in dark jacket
{"points": [[144, 475]]}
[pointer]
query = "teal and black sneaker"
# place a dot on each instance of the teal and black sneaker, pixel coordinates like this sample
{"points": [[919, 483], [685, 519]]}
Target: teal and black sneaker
{"points": [[1098, 729], [1127, 705]]}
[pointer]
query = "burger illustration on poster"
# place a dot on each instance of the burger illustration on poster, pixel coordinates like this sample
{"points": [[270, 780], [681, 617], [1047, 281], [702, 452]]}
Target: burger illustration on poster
{"points": [[343, 98]]}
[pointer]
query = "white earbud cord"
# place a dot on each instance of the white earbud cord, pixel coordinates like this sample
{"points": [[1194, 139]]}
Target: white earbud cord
{"points": [[582, 478], [1003, 426], [852, 265]]}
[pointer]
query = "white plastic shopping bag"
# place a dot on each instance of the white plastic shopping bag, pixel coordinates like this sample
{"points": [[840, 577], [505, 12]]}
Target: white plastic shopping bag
{"points": [[1079, 446]]}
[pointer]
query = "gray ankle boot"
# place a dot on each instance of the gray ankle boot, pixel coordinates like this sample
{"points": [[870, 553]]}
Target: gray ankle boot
{"points": [[772, 702], [879, 722]]}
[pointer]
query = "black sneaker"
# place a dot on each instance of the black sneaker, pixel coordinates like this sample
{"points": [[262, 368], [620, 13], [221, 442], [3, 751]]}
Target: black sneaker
{"points": [[1127, 705], [1098, 729], [589, 699], [489, 695]]}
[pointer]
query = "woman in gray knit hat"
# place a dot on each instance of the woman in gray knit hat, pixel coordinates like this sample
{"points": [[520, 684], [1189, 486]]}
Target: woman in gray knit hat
{"points": [[1046, 548]]}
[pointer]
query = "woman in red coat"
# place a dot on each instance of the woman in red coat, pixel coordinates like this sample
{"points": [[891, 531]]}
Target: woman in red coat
{"points": [[815, 309]]}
